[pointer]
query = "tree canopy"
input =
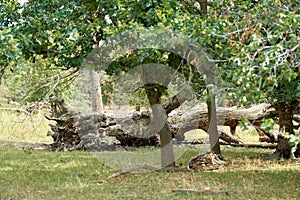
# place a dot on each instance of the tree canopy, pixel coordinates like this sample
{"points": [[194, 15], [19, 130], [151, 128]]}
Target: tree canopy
{"points": [[251, 41]]}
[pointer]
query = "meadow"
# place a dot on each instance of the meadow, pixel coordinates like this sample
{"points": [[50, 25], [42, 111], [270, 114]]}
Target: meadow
{"points": [[29, 173]]}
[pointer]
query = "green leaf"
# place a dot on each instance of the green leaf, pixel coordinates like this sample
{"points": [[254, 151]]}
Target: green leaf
{"points": [[244, 124]]}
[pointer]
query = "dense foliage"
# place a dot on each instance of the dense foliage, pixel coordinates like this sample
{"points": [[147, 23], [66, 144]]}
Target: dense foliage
{"points": [[251, 41]]}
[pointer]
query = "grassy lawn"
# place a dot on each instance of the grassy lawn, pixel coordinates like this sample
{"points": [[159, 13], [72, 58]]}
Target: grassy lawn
{"points": [[31, 174]]}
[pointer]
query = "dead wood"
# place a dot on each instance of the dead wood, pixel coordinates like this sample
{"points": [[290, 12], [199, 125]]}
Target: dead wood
{"points": [[136, 169], [227, 138], [95, 132], [263, 146], [26, 146], [196, 117], [76, 131]]}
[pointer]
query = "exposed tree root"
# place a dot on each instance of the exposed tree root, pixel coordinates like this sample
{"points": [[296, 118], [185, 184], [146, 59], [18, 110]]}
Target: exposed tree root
{"points": [[206, 161]]}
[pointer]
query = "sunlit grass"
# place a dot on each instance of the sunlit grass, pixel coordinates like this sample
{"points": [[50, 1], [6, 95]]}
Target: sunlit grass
{"points": [[31, 174], [18, 127]]}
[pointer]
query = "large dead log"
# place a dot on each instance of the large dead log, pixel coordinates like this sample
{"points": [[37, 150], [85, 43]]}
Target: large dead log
{"points": [[182, 121], [76, 131], [96, 132], [262, 146]]}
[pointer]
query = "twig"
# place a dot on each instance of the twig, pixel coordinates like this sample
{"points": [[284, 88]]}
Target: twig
{"points": [[295, 47], [237, 31], [54, 119], [286, 52], [133, 169], [222, 192], [118, 174], [54, 80]]}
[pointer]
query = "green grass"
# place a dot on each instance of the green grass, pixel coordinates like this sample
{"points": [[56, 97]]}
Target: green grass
{"points": [[30, 174]]}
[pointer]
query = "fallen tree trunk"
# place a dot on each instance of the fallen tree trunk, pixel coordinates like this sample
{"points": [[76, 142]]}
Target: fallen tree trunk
{"points": [[97, 132], [262, 146], [76, 131], [181, 122]]}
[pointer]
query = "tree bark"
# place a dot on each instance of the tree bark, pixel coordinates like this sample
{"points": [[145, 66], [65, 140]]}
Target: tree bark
{"points": [[182, 121], [285, 113], [154, 93], [213, 129], [2, 71], [96, 95], [203, 5]]}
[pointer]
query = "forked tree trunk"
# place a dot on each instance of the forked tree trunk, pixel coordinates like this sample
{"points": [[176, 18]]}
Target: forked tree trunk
{"points": [[285, 112]]}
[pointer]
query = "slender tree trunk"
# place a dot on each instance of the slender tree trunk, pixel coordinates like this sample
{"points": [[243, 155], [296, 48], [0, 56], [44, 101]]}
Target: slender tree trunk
{"points": [[286, 113], [2, 71], [99, 93], [96, 94], [213, 129], [166, 148]]}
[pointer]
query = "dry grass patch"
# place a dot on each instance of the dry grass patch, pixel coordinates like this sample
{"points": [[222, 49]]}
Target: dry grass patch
{"points": [[18, 127]]}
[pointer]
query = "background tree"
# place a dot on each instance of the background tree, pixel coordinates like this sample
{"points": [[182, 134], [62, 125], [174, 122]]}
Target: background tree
{"points": [[9, 53]]}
